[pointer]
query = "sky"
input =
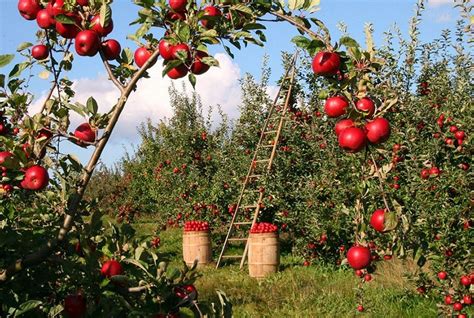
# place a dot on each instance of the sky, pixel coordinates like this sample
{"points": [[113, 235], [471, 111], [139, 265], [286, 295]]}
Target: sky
{"points": [[219, 86]]}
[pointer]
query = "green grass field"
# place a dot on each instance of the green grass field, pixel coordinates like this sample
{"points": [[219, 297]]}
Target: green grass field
{"points": [[297, 291]]}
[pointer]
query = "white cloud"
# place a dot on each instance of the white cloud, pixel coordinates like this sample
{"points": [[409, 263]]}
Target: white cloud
{"points": [[151, 100]]}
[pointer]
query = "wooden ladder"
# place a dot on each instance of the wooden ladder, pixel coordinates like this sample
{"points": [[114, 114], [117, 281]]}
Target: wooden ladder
{"points": [[261, 160]]}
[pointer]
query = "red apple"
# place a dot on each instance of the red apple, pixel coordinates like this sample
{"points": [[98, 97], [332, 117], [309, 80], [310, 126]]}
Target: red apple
{"points": [[55, 7], [69, 31], [378, 130], [85, 132], [343, 124], [166, 50], [448, 299], [366, 105], [425, 173], [36, 178], [465, 281], [434, 171], [29, 9], [111, 268], [460, 134], [39, 52], [74, 306], [83, 3], [377, 221], [178, 5], [111, 49], [141, 55], [44, 19], [101, 30], [336, 106], [210, 12], [358, 257], [467, 299], [442, 275], [181, 49], [5, 156], [178, 72], [198, 67], [87, 43], [457, 306], [176, 15], [326, 63], [352, 139]]}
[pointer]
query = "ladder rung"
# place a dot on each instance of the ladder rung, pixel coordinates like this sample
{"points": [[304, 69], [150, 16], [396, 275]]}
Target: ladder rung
{"points": [[232, 256], [255, 176], [266, 146], [242, 223], [237, 239], [251, 191], [269, 132], [262, 160], [252, 206]]}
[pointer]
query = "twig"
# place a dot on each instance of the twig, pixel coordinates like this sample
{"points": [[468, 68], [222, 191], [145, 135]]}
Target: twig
{"points": [[109, 72], [43, 252], [380, 182]]}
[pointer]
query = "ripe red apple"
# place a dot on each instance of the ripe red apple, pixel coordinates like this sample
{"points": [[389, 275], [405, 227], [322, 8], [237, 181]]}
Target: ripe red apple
{"points": [[69, 31], [111, 49], [87, 43], [85, 132], [166, 50], [178, 72], [326, 63], [141, 55], [377, 221], [44, 19], [378, 130], [198, 67], [434, 171], [425, 173], [74, 306], [336, 106], [457, 306], [448, 299], [343, 124], [4, 156], [178, 5], [442, 275], [55, 7], [111, 268], [367, 277], [352, 139], [360, 308], [211, 12], [176, 15], [29, 9], [39, 52], [465, 280], [36, 178], [467, 299], [460, 134], [101, 30], [366, 105], [358, 257], [82, 3], [181, 49]]}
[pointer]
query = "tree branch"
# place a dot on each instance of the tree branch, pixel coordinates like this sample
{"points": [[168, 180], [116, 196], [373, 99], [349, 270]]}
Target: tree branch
{"points": [[109, 72], [380, 183], [46, 250]]}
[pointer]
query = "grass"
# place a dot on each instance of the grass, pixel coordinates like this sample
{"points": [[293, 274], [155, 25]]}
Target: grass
{"points": [[297, 291]]}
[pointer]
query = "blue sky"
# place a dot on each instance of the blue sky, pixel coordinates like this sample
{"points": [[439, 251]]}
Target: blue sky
{"points": [[89, 74]]}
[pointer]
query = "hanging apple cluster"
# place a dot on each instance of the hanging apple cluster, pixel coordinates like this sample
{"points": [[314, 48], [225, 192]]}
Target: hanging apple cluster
{"points": [[360, 128], [86, 24]]}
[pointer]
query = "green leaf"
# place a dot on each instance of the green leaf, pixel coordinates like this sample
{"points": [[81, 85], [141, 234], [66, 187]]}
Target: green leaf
{"points": [[6, 59], [17, 69], [105, 15], [64, 19], [2, 80], [23, 46], [301, 41], [192, 79], [92, 106], [44, 74], [27, 306], [348, 42]]}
